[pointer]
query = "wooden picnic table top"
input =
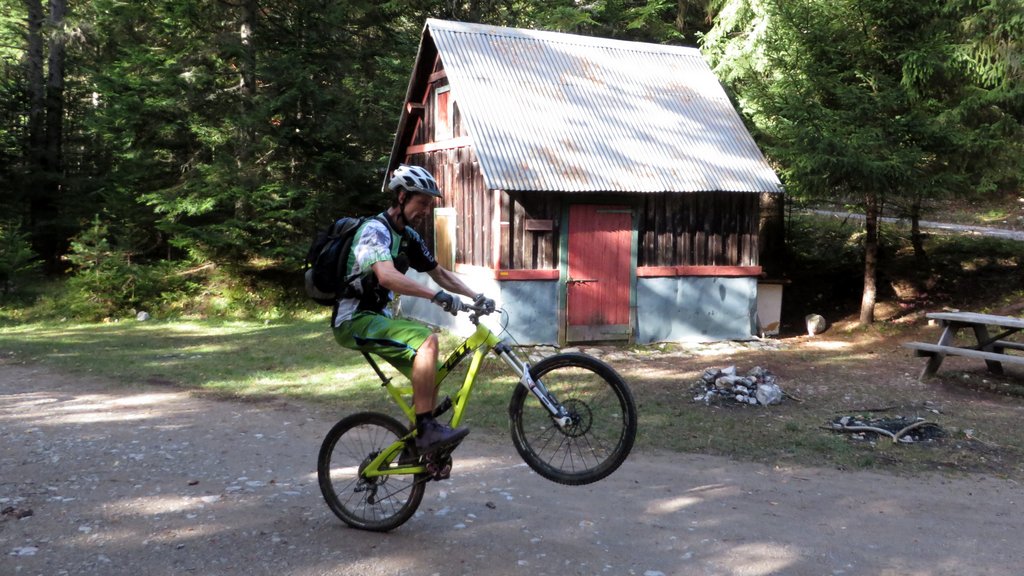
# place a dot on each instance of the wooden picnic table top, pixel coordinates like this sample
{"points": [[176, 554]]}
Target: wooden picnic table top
{"points": [[993, 350], [976, 318]]}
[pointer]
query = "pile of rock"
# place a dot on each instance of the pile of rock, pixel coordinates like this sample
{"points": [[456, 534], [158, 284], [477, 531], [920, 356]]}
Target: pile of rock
{"points": [[758, 386]]}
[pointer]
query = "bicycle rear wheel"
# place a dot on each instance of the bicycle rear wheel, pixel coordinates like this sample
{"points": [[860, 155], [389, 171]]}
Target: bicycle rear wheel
{"points": [[380, 503], [603, 425]]}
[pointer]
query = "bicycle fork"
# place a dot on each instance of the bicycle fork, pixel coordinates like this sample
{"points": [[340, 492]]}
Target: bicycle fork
{"points": [[558, 412]]}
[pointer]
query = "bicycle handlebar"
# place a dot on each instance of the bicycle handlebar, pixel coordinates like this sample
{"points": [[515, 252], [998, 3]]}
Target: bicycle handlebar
{"points": [[476, 312]]}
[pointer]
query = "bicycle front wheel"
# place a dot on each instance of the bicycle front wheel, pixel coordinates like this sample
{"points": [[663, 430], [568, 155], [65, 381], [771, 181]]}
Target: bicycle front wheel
{"points": [[603, 420], [380, 503]]}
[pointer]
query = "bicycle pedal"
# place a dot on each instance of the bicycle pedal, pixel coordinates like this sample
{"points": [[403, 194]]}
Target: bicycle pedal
{"points": [[438, 468]]}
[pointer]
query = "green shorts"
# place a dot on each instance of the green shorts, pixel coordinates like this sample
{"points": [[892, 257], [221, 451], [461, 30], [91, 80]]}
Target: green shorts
{"points": [[394, 340]]}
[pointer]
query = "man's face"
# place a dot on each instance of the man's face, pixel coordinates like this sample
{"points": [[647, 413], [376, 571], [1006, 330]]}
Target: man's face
{"points": [[417, 206]]}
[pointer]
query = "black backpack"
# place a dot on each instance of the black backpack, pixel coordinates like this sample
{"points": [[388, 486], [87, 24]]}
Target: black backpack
{"points": [[327, 259]]}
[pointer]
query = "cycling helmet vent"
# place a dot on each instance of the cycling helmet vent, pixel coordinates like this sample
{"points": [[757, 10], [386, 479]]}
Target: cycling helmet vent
{"points": [[414, 179]]}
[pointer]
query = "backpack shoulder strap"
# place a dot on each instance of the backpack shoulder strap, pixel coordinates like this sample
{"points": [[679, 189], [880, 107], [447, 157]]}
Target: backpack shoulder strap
{"points": [[396, 236]]}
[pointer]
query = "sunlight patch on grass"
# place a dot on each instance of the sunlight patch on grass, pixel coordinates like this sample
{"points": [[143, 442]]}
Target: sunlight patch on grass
{"points": [[828, 345]]}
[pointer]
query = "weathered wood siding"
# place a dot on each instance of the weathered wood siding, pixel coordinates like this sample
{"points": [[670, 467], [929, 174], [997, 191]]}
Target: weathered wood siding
{"points": [[458, 175], [530, 226], [699, 229]]}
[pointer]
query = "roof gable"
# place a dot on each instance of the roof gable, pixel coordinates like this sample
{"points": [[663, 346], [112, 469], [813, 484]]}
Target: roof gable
{"points": [[560, 112]]}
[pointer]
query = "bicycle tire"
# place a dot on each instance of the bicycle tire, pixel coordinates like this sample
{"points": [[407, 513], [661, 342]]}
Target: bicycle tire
{"points": [[604, 420], [377, 504]]}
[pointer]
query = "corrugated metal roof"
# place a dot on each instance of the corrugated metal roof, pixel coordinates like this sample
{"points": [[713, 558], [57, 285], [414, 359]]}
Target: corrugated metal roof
{"points": [[560, 112]]}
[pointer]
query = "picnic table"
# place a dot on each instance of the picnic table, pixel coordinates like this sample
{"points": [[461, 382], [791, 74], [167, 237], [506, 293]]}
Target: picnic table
{"points": [[994, 350]]}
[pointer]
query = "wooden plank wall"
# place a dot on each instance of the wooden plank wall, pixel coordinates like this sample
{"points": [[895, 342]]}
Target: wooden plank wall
{"points": [[699, 229], [530, 230], [458, 175]]}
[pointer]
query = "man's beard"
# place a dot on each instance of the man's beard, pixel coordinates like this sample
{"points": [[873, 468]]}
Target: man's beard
{"points": [[416, 219]]}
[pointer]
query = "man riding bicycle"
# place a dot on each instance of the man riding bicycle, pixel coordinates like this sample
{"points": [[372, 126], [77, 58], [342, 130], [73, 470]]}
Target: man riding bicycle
{"points": [[383, 250]]}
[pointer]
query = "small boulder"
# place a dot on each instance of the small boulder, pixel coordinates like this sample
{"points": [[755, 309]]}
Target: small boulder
{"points": [[816, 324]]}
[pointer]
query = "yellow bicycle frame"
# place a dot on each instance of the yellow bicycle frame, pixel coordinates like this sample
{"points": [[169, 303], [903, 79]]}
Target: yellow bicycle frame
{"points": [[479, 344]]}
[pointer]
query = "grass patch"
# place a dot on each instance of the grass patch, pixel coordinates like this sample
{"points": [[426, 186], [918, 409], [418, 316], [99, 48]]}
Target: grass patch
{"points": [[236, 358], [295, 358]]}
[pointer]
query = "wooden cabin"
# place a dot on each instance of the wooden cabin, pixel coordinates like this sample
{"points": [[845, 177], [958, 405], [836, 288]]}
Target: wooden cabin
{"points": [[599, 190]]}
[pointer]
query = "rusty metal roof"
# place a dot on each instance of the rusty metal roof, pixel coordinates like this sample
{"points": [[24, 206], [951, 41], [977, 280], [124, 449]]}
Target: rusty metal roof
{"points": [[559, 112]]}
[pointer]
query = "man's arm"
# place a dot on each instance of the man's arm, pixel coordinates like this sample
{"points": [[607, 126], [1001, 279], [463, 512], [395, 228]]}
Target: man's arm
{"points": [[389, 277], [450, 281]]}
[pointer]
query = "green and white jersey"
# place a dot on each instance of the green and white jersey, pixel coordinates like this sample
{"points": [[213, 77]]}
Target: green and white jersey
{"points": [[376, 242]]}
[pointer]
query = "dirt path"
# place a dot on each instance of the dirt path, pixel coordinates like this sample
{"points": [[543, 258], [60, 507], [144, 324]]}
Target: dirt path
{"points": [[155, 481], [1003, 233]]}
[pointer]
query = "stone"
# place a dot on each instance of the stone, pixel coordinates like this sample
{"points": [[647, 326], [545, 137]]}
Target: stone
{"points": [[768, 394], [728, 382], [816, 324]]}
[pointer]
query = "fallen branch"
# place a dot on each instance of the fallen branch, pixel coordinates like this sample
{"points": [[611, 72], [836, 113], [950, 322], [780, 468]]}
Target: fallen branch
{"points": [[985, 442], [791, 397], [195, 270], [917, 424], [881, 431]]}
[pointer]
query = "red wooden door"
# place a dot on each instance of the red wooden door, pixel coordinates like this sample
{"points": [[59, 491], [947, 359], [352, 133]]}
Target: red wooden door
{"points": [[600, 260]]}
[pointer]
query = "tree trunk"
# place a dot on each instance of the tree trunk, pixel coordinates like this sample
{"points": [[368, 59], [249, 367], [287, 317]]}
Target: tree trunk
{"points": [[867, 303], [39, 184], [246, 138], [916, 239], [55, 95], [246, 30], [36, 91]]}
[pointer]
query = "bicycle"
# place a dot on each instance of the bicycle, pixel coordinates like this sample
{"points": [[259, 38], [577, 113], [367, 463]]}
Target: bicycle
{"points": [[572, 420]]}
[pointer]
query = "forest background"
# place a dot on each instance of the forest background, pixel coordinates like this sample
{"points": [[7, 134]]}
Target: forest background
{"points": [[177, 155]]}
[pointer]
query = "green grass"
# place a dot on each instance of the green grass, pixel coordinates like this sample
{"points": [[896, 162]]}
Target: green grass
{"points": [[246, 359]]}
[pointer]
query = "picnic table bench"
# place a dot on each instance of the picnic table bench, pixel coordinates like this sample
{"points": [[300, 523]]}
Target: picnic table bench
{"points": [[994, 350]]}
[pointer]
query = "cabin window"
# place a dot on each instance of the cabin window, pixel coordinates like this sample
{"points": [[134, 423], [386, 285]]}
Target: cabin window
{"points": [[444, 236], [444, 115]]}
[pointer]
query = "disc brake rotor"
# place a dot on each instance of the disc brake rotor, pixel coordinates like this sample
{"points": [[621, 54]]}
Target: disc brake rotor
{"points": [[581, 418]]}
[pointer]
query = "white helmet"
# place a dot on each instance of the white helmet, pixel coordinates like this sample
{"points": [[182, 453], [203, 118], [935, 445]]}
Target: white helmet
{"points": [[414, 179]]}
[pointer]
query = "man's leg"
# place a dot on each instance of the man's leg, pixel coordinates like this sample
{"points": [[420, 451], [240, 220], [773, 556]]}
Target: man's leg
{"points": [[430, 434], [413, 349], [424, 373]]}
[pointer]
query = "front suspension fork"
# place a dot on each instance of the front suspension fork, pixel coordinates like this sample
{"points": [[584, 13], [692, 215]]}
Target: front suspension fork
{"points": [[558, 412]]}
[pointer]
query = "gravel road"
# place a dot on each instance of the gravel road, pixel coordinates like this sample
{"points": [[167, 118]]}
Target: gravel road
{"points": [[105, 480]]}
